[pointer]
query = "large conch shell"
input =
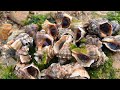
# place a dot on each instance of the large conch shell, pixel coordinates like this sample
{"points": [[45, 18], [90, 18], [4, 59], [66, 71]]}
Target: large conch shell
{"points": [[82, 58], [63, 19], [51, 29], [87, 55], [48, 50], [43, 40], [112, 43], [100, 27], [62, 48], [44, 43], [78, 30], [27, 71], [64, 39]]}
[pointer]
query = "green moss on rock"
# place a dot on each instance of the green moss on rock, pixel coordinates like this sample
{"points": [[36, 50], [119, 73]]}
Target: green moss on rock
{"points": [[82, 50]]}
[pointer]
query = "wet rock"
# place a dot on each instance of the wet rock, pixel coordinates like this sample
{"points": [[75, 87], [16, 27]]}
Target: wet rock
{"points": [[18, 16]]}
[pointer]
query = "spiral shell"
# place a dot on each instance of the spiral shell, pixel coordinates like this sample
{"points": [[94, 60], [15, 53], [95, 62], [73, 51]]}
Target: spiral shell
{"points": [[25, 39], [100, 27], [112, 43], [27, 71], [43, 40], [62, 48], [51, 29]]}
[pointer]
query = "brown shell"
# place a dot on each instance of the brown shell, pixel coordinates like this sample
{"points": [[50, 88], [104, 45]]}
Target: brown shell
{"points": [[29, 71], [112, 43], [64, 20], [100, 27], [43, 40], [51, 29]]}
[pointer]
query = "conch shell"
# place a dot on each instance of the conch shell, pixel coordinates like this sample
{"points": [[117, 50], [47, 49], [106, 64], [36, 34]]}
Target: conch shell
{"points": [[112, 43], [100, 27], [62, 48], [78, 30], [89, 56], [43, 40], [27, 71], [62, 19], [64, 39], [51, 29], [66, 21], [83, 59]]}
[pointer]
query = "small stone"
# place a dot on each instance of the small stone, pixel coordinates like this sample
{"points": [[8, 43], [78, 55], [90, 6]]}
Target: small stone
{"points": [[18, 16], [4, 31]]}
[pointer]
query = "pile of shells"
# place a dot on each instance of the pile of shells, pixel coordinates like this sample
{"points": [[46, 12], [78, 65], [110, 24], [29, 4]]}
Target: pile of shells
{"points": [[76, 46]]}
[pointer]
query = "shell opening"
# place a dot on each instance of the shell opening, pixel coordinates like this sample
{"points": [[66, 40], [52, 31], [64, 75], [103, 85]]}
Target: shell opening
{"points": [[47, 42], [53, 30], [106, 29], [65, 22], [32, 71], [78, 34], [58, 45], [83, 57], [113, 46]]}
